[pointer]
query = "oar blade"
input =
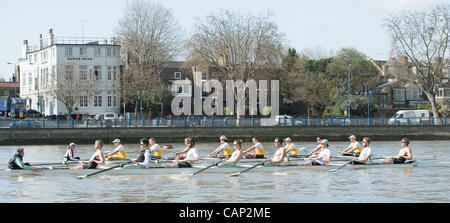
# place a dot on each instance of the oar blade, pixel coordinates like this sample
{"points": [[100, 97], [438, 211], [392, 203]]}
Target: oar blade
{"points": [[82, 177]]}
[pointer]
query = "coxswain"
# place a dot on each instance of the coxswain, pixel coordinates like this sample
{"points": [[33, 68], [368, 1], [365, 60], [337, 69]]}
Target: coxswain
{"points": [[155, 149], [69, 156], [235, 157], [322, 159], [224, 146], [190, 156], [259, 150], [119, 153], [316, 151], [404, 154], [366, 153], [96, 159], [16, 162], [354, 149]]}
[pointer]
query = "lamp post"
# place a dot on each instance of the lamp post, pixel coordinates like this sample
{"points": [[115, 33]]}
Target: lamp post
{"points": [[14, 77], [140, 95], [348, 93], [368, 93]]}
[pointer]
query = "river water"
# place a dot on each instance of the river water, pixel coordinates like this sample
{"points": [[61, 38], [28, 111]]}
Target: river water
{"points": [[396, 183]]}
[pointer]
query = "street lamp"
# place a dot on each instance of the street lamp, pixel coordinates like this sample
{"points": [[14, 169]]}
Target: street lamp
{"points": [[140, 95], [15, 77], [368, 93]]}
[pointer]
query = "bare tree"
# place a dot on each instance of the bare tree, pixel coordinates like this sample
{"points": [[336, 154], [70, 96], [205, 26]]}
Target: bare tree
{"points": [[150, 36], [237, 46], [422, 36]]}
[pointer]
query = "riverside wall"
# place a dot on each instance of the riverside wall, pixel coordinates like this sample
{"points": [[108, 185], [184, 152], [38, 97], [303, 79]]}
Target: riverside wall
{"points": [[166, 135]]}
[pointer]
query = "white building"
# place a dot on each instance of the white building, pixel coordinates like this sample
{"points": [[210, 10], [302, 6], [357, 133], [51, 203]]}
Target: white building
{"points": [[92, 62]]}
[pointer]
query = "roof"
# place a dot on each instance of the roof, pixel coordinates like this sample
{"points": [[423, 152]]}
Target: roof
{"points": [[9, 84]]}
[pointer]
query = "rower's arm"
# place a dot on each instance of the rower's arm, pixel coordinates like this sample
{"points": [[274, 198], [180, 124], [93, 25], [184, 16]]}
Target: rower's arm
{"points": [[250, 149], [113, 152], [409, 156], [21, 164], [314, 150], [348, 149]]}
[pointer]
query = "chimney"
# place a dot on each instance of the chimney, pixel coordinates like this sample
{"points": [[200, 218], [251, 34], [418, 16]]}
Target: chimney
{"points": [[51, 37], [25, 49], [41, 43]]}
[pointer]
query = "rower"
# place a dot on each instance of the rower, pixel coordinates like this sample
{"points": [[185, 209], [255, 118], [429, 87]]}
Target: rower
{"points": [[354, 149], [223, 147], [366, 153], [291, 148], [118, 153], [235, 157], [403, 155], [69, 156], [278, 156], [143, 160], [190, 158], [316, 151], [182, 154], [155, 149], [322, 159], [259, 150], [97, 158], [16, 162]]}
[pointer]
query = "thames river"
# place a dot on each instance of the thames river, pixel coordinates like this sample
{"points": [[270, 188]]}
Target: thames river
{"points": [[394, 183]]}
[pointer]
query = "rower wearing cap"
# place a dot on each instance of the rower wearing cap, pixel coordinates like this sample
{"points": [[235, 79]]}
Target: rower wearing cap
{"points": [[291, 148], [96, 159], [366, 153], [235, 157], [404, 154], [322, 159], [259, 150], [223, 147], [354, 149], [155, 149], [118, 153], [69, 156], [316, 151], [16, 162]]}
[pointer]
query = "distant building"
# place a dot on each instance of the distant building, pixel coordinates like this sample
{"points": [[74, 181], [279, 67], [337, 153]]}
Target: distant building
{"points": [[7, 88], [86, 60]]}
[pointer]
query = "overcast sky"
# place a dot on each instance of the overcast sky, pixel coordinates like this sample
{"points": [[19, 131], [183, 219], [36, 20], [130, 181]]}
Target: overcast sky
{"points": [[320, 24]]}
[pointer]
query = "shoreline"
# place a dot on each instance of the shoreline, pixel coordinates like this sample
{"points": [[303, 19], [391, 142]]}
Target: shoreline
{"points": [[54, 136]]}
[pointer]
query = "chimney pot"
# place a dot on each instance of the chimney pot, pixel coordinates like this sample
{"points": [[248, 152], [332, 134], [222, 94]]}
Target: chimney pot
{"points": [[50, 30]]}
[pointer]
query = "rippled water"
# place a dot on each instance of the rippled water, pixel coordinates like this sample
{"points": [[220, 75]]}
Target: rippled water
{"points": [[350, 184]]}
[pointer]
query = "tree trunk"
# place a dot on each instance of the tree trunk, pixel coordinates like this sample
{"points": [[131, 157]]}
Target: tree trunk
{"points": [[432, 98]]}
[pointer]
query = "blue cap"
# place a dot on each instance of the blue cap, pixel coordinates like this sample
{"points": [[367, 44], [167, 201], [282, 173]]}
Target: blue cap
{"points": [[72, 144]]}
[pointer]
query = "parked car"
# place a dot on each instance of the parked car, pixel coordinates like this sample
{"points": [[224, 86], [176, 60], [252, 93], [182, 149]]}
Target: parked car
{"points": [[25, 124], [32, 113], [282, 120], [109, 118]]}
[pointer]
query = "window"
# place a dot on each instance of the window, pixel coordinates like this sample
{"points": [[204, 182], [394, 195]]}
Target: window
{"points": [[177, 75], [109, 73], [115, 101], [83, 101], [97, 101], [108, 51], [68, 51], [30, 59], [203, 76], [97, 51], [83, 51], [114, 73], [109, 100], [424, 71], [114, 51], [83, 73], [448, 72], [97, 73], [68, 70]]}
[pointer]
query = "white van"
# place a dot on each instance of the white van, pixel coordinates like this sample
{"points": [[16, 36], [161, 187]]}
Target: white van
{"points": [[410, 117], [282, 120]]}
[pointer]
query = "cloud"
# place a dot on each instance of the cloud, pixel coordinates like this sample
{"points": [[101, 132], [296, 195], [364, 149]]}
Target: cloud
{"points": [[395, 6]]}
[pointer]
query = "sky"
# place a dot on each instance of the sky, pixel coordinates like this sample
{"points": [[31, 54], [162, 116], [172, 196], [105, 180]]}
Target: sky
{"points": [[323, 25]]}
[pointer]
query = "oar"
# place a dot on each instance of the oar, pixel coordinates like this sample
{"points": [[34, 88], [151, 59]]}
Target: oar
{"points": [[239, 173], [101, 171], [214, 164], [345, 164], [47, 164]]}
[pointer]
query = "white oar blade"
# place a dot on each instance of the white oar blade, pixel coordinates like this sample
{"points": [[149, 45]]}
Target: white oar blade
{"points": [[82, 177]]}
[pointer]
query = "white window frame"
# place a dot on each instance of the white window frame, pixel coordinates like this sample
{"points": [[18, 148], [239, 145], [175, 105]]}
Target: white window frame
{"points": [[68, 51], [177, 75]]}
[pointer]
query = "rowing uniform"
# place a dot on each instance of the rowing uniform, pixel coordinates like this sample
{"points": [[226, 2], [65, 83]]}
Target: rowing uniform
{"points": [[276, 156], [292, 149], [143, 160], [95, 156], [16, 163], [259, 150], [356, 149], [157, 151], [231, 164], [227, 151], [69, 155], [401, 159], [367, 151], [324, 154], [121, 154], [191, 154]]}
